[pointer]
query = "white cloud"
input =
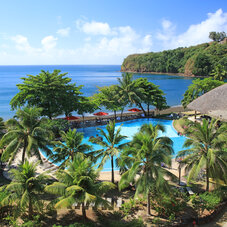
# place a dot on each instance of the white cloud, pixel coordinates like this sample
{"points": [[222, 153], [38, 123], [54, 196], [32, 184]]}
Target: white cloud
{"points": [[49, 42], [168, 29], [64, 32], [93, 27], [21, 43], [196, 33], [147, 41]]}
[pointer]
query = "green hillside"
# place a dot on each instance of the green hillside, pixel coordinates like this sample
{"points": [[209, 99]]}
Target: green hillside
{"points": [[197, 60]]}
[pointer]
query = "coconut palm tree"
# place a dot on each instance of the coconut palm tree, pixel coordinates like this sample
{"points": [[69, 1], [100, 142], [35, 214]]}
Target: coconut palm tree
{"points": [[146, 154], [79, 184], [127, 89], [70, 145], [26, 134], [111, 143], [26, 187], [206, 144]]}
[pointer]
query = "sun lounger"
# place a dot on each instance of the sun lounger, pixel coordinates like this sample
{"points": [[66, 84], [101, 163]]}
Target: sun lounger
{"points": [[190, 192]]}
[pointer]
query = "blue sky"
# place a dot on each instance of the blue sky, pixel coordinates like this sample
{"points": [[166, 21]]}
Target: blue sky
{"points": [[102, 31]]}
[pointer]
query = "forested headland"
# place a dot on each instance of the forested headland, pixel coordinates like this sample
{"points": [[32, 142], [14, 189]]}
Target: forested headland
{"points": [[199, 60]]}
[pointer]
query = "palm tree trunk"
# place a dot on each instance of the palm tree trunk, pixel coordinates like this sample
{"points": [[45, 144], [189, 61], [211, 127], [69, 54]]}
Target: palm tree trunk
{"points": [[30, 209], [140, 106], [148, 110], [83, 211], [112, 165], [148, 204], [24, 150], [115, 115], [207, 178], [122, 113]]}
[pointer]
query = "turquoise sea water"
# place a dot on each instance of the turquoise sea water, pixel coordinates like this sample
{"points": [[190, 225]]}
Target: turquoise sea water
{"points": [[91, 76], [129, 128]]}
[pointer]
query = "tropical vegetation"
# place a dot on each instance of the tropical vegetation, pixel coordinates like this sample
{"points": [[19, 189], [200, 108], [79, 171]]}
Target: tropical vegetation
{"points": [[111, 141], [198, 88], [25, 134], [52, 92], [197, 60], [79, 184], [146, 156], [206, 144], [71, 143], [26, 188]]}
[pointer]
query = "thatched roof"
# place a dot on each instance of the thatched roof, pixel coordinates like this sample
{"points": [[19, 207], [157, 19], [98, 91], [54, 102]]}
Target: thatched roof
{"points": [[213, 103]]}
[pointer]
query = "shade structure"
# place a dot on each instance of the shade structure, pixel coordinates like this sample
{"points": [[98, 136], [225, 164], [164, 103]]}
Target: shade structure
{"points": [[100, 114], [71, 118], [134, 110], [213, 103]]}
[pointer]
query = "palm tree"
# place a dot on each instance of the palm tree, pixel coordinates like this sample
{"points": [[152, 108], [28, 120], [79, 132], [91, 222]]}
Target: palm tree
{"points": [[72, 144], [26, 134], [79, 184], [206, 144], [26, 187], [127, 89], [111, 143], [146, 154]]}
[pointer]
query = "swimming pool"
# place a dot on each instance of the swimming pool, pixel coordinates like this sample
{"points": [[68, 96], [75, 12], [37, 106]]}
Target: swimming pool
{"points": [[129, 128]]}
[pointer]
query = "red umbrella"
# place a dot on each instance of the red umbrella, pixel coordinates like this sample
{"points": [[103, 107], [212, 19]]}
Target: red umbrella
{"points": [[100, 114], [71, 118], [134, 110]]}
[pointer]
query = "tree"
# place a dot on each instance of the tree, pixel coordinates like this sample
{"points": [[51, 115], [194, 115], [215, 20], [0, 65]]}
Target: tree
{"points": [[52, 92], [206, 144], [111, 143], [202, 64], [79, 184], [71, 144], [150, 95], [219, 72], [146, 154], [127, 89], [26, 188], [198, 88], [86, 105], [25, 134], [108, 97], [217, 36]]}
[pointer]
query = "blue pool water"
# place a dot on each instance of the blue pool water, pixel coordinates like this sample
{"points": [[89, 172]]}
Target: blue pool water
{"points": [[129, 128]]}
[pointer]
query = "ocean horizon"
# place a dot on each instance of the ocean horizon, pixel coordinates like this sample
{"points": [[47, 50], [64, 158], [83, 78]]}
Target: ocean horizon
{"points": [[91, 76]]}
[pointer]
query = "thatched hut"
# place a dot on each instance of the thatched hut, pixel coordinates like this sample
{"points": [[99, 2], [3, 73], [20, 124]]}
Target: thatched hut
{"points": [[213, 103]]}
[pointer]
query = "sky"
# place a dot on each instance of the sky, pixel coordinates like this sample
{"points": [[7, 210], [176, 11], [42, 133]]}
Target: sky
{"points": [[49, 32]]}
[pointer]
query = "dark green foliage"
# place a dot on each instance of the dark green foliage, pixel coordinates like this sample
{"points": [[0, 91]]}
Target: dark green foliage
{"points": [[198, 88], [52, 92], [168, 205], [56, 125], [217, 36], [205, 201], [26, 134], [2, 127], [200, 60]]}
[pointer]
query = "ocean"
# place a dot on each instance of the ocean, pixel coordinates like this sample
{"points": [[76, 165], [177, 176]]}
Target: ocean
{"points": [[91, 76]]}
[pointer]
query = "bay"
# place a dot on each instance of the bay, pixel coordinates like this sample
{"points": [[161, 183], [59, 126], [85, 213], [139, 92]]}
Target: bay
{"points": [[91, 76]]}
